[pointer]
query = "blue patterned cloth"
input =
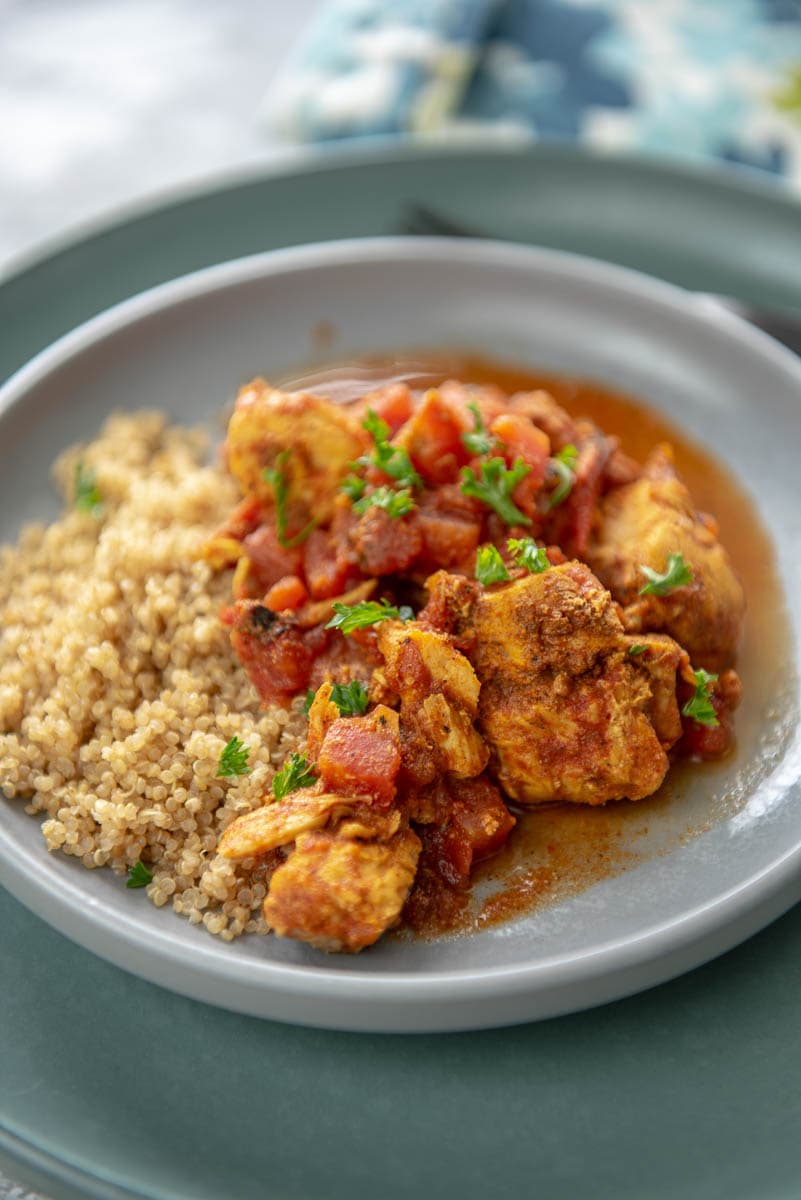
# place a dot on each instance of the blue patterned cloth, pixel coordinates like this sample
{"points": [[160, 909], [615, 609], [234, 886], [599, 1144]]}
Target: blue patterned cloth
{"points": [[687, 78]]}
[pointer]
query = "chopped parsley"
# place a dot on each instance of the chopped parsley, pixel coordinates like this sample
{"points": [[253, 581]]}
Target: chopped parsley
{"points": [[295, 773], [348, 617], [700, 707], [478, 441], [490, 567], [276, 478], [528, 554], [636, 649], [563, 466], [392, 460], [86, 494], [395, 504], [350, 698], [676, 575], [353, 486], [309, 701], [138, 875], [233, 760], [494, 485]]}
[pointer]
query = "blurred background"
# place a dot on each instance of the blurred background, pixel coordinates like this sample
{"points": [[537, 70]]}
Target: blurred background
{"points": [[103, 103]]}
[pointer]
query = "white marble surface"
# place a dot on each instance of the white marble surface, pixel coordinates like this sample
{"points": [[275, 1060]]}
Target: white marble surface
{"points": [[107, 101]]}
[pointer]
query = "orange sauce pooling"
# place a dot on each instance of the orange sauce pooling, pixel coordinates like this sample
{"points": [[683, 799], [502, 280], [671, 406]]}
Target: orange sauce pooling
{"points": [[558, 850]]}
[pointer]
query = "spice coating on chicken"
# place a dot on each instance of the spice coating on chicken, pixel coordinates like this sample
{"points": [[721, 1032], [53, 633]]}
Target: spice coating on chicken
{"points": [[642, 524], [341, 894], [563, 706]]}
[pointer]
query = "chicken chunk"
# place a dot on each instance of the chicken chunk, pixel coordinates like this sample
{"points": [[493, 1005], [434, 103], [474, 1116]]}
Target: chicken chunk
{"points": [[564, 706], [278, 824], [438, 692], [342, 894], [642, 524], [321, 438]]}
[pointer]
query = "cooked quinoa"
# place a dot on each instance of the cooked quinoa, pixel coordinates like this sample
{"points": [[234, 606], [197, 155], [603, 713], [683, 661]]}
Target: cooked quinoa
{"points": [[118, 686]]}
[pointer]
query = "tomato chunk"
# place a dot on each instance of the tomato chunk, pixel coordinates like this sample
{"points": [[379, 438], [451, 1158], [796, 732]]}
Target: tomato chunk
{"points": [[287, 595], [433, 438], [357, 758], [478, 825], [386, 545], [270, 560], [522, 439], [272, 650]]}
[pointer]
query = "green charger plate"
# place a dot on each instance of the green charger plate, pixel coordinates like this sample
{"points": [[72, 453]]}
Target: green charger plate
{"points": [[112, 1087]]}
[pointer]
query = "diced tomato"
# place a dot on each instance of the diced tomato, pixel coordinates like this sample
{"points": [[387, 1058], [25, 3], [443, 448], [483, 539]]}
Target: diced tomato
{"points": [[270, 560], [570, 524], [326, 565], [392, 404], [287, 595], [386, 545], [358, 759], [433, 438], [448, 541], [478, 825], [522, 439], [272, 650]]}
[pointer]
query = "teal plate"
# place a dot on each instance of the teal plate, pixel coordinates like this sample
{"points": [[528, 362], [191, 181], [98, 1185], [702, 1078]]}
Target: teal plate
{"points": [[112, 1087]]}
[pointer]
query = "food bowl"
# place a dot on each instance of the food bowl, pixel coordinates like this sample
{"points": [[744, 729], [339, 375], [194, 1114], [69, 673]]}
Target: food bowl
{"points": [[712, 866]]}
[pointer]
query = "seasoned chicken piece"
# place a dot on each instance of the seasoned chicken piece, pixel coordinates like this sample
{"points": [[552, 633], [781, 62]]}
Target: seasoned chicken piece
{"points": [[564, 707], [663, 660], [315, 439], [279, 823], [642, 524], [341, 894], [438, 692]]}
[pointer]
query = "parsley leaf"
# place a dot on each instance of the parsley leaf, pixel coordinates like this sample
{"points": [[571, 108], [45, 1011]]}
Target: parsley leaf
{"points": [[276, 478], [350, 698], [494, 486], [138, 875], [295, 773], [675, 576], [86, 494], [636, 649], [563, 465], [353, 486], [700, 707], [528, 554], [478, 442], [309, 701], [234, 760], [392, 460], [348, 617], [396, 504], [490, 567]]}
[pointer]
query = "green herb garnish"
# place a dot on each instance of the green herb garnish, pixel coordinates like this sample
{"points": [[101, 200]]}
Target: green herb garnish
{"points": [[490, 567], [392, 460], [675, 576], [350, 698], [700, 707], [353, 486], [86, 494], [138, 875], [233, 760], [528, 554], [309, 701], [563, 465], [295, 773], [276, 478], [637, 648], [348, 617], [396, 504], [478, 442], [494, 486]]}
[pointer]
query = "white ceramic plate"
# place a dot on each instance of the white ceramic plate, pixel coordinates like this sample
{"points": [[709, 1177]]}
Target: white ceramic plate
{"points": [[185, 347]]}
